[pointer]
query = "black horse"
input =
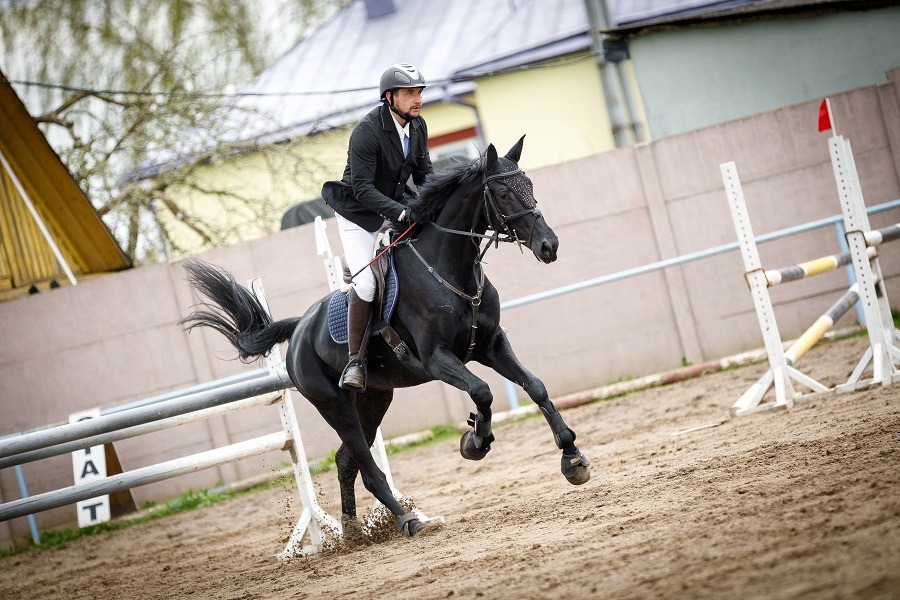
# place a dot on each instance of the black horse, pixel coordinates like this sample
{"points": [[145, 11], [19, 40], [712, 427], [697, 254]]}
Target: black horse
{"points": [[447, 313]]}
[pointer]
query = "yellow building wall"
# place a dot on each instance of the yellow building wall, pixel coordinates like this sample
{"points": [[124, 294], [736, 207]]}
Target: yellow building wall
{"points": [[560, 108], [263, 185], [446, 118]]}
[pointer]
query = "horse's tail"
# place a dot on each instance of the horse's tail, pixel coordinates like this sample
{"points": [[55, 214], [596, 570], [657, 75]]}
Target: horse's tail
{"points": [[234, 311]]}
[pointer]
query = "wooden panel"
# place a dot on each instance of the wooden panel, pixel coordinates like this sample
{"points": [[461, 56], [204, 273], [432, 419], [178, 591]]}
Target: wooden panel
{"points": [[29, 256], [83, 239]]}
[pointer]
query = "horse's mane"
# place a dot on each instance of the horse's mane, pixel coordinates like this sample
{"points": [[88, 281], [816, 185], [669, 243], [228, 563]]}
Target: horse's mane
{"points": [[459, 179]]}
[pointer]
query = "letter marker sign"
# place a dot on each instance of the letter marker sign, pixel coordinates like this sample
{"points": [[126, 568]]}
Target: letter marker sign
{"points": [[89, 464]]}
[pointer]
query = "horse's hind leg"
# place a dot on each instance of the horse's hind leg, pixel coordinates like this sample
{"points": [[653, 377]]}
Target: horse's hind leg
{"points": [[371, 406], [500, 356], [338, 408]]}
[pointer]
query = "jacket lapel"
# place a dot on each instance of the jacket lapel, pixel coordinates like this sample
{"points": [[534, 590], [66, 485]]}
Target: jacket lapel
{"points": [[390, 130]]}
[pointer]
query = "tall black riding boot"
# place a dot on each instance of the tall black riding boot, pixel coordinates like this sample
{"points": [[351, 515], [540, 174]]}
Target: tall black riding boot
{"points": [[358, 316]]}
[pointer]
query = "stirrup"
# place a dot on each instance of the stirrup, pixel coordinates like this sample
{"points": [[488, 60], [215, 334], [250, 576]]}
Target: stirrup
{"points": [[345, 385]]}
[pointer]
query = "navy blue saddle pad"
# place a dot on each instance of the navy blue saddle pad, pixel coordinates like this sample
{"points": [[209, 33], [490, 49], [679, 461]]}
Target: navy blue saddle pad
{"points": [[337, 306]]}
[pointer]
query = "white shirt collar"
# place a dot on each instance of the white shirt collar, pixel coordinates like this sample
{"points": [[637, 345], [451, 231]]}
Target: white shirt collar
{"points": [[401, 131]]}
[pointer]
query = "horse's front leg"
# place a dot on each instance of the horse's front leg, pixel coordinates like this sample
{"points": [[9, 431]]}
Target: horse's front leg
{"points": [[442, 364], [500, 357]]}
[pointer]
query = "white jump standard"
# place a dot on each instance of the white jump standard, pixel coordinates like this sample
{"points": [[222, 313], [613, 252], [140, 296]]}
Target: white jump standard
{"points": [[882, 353], [869, 290]]}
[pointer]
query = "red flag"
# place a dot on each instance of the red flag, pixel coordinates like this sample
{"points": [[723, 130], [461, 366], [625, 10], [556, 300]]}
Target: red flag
{"points": [[824, 116]]}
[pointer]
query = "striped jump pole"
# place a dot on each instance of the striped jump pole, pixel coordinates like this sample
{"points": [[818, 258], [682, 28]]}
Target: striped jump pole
{"points": [[826, 264], [876, 237], [823, 325], [809, 268]]}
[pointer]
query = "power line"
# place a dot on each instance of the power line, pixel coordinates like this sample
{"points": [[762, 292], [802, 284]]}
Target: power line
{"points": [[135, 93]]}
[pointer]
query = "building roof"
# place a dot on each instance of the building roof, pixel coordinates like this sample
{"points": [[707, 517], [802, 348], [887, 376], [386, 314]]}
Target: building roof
{"points": [[740, 11], [625, 12], [452, 42], [82, 237]]}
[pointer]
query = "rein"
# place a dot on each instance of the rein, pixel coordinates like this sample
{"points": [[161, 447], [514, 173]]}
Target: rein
{"points": [[389, 246], [490, 205]]}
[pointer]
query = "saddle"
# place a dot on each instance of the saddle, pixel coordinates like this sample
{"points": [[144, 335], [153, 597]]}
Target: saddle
{"points": [[387, 289]]}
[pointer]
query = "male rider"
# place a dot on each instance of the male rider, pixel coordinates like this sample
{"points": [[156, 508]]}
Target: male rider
{"points": [[386, 147]]}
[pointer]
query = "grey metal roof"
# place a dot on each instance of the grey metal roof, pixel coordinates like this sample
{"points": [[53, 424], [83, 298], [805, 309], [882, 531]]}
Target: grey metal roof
{"points": [[736, 10], [451, 42], [623, 12]]}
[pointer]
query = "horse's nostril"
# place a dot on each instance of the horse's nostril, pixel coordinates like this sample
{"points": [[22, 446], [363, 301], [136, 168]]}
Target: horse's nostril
{"points": [[548, 250]]}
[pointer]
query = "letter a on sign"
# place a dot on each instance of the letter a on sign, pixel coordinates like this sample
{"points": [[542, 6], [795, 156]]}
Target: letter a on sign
{"points": [[89, 465]]}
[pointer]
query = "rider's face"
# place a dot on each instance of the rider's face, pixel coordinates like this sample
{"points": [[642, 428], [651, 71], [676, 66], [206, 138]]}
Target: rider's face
{"points": [[408, 101]]}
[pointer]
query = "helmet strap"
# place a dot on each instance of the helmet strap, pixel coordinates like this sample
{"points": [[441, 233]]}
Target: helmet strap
{"points": [[405, 116]]}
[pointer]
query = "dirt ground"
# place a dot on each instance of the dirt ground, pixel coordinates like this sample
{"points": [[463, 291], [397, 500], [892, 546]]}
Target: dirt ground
{"points": [[802, 503]]}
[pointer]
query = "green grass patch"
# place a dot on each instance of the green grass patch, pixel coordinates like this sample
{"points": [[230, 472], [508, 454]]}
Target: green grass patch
{"points": [[439, 434], [189, 500], [323, 465]]}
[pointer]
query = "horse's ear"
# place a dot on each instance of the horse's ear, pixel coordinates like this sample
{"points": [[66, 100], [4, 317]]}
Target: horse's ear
{"points": [[515, 153], [490, 160]]}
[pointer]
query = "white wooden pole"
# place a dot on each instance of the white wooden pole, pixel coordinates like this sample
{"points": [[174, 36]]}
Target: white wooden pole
{"points": [[144, 476], [129, 432], [40, 223]]}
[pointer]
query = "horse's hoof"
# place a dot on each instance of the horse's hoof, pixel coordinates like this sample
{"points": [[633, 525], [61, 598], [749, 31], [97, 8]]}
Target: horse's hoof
{"points": [[468, 449], [409, 524], [576, 468], [353, 530]]}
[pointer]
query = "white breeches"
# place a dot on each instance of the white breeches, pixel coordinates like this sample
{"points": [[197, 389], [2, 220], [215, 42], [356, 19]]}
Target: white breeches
{"points": [[359, 249]]}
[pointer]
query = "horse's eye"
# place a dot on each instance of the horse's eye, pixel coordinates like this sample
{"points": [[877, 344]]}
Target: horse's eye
{"points": [[503, 194]]}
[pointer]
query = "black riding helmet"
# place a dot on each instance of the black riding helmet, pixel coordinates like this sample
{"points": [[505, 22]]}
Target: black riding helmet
{"points": [[400, 76]]}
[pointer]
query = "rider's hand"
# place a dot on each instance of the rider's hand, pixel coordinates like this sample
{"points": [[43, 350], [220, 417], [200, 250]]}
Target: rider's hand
{"points": [[415, 217], [408, 216]]}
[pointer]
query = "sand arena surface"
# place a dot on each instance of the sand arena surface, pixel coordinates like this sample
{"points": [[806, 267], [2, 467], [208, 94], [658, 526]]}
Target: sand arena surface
{"points": [[793, 504]]}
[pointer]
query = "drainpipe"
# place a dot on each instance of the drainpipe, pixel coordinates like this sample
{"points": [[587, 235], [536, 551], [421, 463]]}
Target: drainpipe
{"points": [[619, 101]]}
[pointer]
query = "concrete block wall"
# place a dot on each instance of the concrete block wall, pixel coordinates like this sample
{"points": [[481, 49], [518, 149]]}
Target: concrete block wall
{"points": [[117, 339]]}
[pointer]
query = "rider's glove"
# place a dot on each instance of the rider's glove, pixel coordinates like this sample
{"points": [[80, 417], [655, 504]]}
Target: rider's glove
{"points": [[407, 215], [414, 217]]}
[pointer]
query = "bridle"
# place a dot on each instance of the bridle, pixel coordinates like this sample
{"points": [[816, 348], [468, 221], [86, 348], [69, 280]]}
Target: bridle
{"points": [[500, 224]]}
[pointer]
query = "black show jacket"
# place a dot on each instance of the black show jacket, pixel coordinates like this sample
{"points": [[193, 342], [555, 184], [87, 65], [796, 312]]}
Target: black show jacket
{"points": [[375, 178]]}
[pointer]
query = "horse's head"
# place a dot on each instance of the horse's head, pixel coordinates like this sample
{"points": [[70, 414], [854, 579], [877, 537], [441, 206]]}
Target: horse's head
{"points": [[511, 206]]}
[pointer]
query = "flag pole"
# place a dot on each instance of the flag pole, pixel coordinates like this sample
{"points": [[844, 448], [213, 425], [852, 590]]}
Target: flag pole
{"points": [[830, 116]]}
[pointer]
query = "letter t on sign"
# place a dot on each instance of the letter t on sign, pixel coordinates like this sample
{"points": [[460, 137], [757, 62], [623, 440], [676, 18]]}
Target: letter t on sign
{"points": [[89, 465]]}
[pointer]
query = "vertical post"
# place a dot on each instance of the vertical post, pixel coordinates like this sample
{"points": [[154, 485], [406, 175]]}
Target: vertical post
{"points": [[23, 491], [856, 225], [756, 280], [313, 520]]}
